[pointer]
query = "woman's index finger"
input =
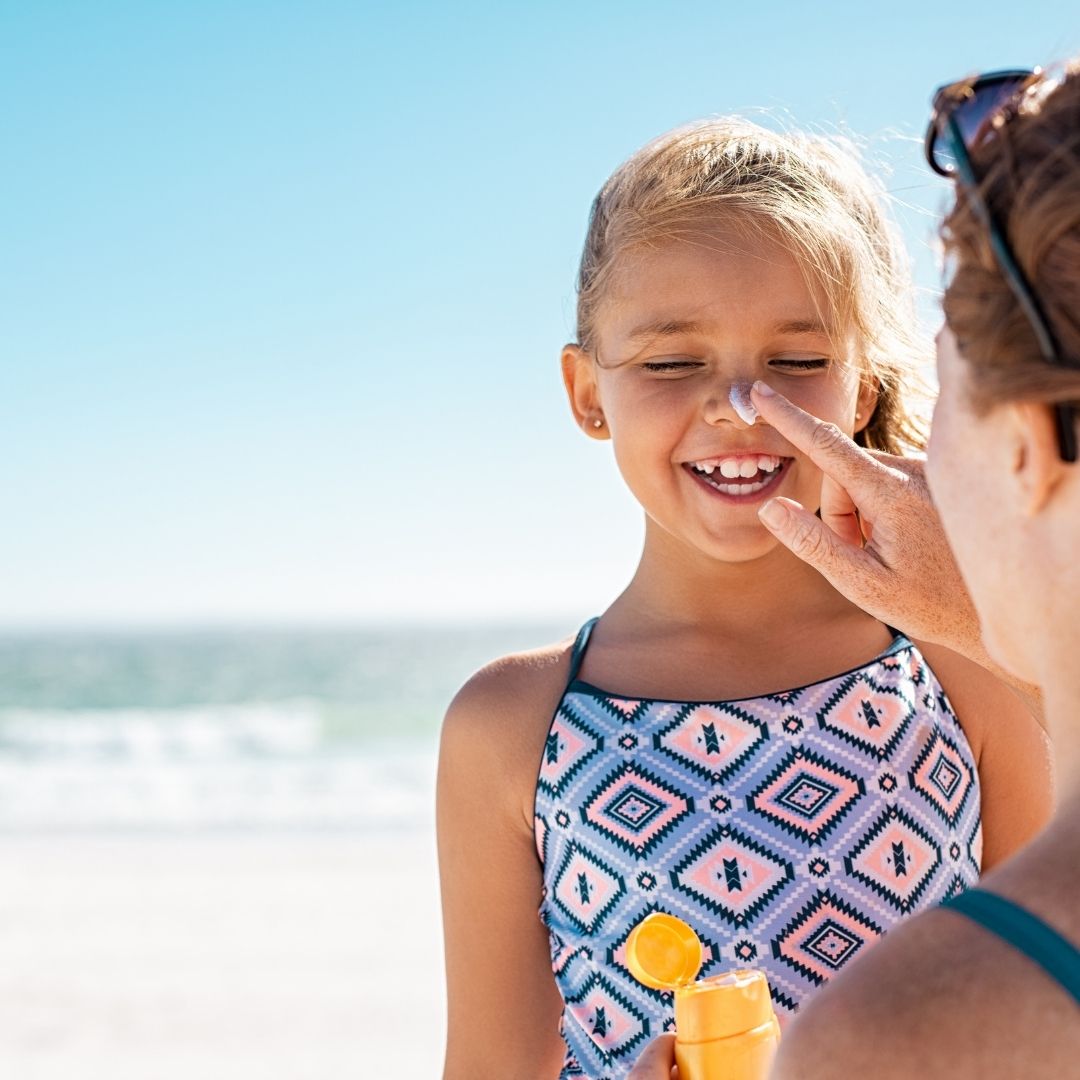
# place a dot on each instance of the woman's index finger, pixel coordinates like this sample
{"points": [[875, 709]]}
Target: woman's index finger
{"points": [[823, 443]]}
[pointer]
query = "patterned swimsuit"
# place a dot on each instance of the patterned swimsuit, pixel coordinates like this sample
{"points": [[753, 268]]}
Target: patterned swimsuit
{"points": [[790, 830]]}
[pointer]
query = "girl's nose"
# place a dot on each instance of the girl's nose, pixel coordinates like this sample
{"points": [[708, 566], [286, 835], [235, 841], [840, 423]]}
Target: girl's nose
{"points": [[729, 402]]}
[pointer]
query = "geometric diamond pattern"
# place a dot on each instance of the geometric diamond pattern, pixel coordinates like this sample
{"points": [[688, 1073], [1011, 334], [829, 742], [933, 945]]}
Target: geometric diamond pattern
{"points": [[825, 935], [897, 858], [635, 808], [942, 777], [807, 795], [790, 830], [712, 740], [945, 776], [569, 746], [614, 1024], [868, 714], [732, 875], [585, 889]]}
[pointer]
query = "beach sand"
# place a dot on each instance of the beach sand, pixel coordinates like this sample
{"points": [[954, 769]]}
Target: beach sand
{"points": [[203, 955]]}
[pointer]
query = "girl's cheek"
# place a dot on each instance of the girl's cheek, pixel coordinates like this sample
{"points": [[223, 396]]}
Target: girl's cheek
{"points": [[824, 400]]}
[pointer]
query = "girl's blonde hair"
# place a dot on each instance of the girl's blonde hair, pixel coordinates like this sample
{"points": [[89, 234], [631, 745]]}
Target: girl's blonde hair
{"points": [[811, 194]]}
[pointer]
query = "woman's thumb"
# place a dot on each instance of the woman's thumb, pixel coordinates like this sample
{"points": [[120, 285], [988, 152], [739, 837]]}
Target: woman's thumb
{"points": [[657, 1062], [842, 564]]}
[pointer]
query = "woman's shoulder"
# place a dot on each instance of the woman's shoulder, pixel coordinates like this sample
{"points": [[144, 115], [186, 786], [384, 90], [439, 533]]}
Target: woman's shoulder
{"points": [[935, 991]]}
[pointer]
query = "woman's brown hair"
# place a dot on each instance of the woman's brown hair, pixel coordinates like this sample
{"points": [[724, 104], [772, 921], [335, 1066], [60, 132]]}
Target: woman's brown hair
{"points": [[1030, 170]]}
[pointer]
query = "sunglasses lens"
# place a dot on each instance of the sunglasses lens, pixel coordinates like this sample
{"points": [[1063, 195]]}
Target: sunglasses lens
{"points": [[972, 116]]}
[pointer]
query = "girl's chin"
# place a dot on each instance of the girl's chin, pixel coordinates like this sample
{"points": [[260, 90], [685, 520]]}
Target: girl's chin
{"points": [[745, 544]]}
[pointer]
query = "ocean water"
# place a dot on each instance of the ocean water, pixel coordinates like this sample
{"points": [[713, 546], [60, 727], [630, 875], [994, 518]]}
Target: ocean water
{"points": [[318, 729]]}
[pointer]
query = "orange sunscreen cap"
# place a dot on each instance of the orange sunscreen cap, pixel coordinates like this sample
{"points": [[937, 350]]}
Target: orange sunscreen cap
{"points": [[663, 952]]}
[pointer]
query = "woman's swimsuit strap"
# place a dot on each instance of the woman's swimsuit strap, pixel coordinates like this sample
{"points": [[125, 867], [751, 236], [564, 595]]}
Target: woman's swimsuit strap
{"points": [[581, 643], [1057, 956]]}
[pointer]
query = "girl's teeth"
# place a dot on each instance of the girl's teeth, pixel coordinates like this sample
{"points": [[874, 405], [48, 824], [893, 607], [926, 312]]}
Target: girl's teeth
{"points": [[744, 469], [741, 466], [743, 489]]}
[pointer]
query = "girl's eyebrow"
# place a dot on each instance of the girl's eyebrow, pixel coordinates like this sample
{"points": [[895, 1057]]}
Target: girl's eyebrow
{"points": [[664, 328], [674, 327], [802, 326]]}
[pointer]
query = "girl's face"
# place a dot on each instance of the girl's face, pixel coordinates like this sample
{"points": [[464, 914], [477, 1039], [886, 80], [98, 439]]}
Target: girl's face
{"points": [[682, 323]]}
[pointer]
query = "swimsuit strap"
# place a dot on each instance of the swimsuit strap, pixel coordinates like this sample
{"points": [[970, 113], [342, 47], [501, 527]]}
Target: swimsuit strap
{"points": [[1058, 957], [581, 643]]}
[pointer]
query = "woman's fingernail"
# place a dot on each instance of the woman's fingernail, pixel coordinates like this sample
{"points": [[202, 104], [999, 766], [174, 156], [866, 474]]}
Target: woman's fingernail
{"points": [[764, 389], [773, 513]]}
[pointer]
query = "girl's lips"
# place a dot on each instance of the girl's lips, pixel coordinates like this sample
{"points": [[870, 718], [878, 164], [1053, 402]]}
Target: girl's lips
{"points": [[756, 492]]}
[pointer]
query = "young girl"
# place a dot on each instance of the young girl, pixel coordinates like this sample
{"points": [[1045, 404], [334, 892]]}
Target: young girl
{"points": [[731, 742]]}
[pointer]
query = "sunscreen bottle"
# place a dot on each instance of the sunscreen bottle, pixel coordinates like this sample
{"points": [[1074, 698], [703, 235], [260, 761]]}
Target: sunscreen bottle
{"points": [[725, 1027]]}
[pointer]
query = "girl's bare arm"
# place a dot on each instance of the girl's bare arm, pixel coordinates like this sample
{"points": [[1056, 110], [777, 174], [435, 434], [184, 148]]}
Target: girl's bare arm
{"points": [[503, 1003]]}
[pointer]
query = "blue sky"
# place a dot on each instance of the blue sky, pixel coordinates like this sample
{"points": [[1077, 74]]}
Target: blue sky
{"points": [[284, 284]]}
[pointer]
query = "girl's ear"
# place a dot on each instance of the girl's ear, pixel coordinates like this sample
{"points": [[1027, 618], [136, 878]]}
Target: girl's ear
{"points": [[865, 404], [579, 378], [1036, 464]]}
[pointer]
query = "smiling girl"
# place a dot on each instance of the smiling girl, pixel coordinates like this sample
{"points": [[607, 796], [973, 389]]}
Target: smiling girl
{"points": [[732, 741]]}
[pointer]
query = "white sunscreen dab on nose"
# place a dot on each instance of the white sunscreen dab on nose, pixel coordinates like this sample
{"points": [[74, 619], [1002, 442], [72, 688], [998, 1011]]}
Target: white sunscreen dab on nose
{"points": [[741, 403]]}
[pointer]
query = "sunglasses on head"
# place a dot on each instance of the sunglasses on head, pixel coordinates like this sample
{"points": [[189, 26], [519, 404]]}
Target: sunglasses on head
{"points": [[963, 117]]}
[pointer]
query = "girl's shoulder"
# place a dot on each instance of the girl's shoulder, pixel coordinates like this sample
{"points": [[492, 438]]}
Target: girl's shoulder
{"points": [[505, 692], [498, 721], [995, 718]]}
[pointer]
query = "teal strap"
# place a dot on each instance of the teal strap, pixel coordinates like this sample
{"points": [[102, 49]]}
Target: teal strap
{"points": [[1057, 956], [580, 645]]}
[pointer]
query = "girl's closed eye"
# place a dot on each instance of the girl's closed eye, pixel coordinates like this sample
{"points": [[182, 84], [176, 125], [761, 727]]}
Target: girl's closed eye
{"points": [[818, 363], [672, 365]]}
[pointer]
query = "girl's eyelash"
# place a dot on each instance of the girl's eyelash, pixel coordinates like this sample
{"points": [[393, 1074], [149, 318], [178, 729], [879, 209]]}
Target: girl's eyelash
{"points": [[669, 365], [804, 365], [662, 366]]}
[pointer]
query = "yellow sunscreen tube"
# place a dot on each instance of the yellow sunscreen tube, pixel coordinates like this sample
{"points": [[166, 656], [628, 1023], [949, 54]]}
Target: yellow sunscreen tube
{"points": [[725, 1026]]}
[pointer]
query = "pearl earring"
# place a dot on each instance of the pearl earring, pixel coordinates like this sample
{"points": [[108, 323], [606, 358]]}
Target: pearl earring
{"points": [[598, 423]]}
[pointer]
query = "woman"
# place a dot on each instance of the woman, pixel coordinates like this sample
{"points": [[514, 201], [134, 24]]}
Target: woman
{"points": [[989, 985]]}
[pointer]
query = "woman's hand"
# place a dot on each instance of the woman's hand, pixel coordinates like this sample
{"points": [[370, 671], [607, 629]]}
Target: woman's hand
{"points": [[657, 1062], [879, 540]]}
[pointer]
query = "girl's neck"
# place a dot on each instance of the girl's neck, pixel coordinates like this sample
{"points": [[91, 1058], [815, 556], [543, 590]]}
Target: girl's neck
{"points": [[677, 587]]}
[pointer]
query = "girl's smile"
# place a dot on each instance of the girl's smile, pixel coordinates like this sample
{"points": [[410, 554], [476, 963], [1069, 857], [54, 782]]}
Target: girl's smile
{"points": [[741, 478]]}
